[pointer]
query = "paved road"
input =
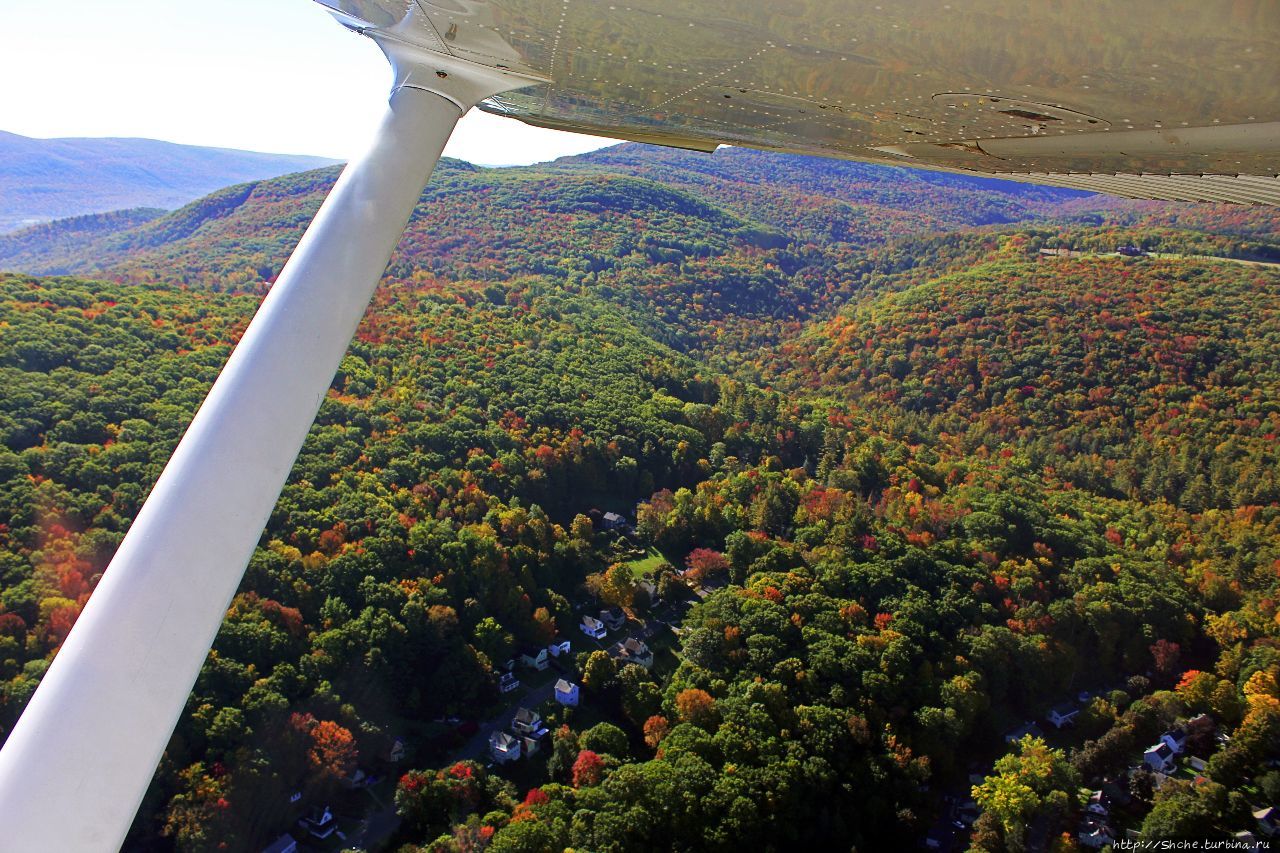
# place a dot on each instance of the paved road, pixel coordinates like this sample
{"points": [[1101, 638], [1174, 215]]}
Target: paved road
{"points": [[666, 616], [477, 748], [379, 824]]}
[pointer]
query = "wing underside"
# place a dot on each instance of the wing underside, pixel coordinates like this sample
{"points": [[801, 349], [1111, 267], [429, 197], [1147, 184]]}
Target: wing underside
{"points": [[1167, 99]]}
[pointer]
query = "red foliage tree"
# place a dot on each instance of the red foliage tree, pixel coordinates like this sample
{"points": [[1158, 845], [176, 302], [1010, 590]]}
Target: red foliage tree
{"points": [[60, 621], [696, 706], [655, 729], [587, 769], [702, 563], [13, 625], [1165, 655], [332, 752]]}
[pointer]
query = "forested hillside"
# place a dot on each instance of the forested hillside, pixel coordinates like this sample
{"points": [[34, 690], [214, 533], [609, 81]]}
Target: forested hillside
{"points": [[892, 482], [1148, 380], [824, 201]]}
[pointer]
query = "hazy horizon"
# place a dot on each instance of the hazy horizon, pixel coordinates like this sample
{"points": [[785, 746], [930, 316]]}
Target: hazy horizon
{"points": [[314, 89]]}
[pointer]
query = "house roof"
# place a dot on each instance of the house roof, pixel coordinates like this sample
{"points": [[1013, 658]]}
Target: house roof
{"points": [[632, 647], [1267, 813], [1161, 749], [502, 740], [563, 686], [532, 651], [1064, 709], [524, 715], [284, 842], [590, 621], [1023, 730]]}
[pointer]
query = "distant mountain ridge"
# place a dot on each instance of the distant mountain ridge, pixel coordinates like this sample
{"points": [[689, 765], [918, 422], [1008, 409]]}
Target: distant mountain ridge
{"points": [[250, 228], [45, 179], [495, 223]]}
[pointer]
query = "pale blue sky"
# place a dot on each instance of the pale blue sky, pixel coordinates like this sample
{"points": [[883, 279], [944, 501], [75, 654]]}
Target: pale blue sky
{"points": [[265, 75]]}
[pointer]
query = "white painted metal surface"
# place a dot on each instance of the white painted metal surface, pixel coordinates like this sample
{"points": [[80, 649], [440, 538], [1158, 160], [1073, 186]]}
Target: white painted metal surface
{"points": [[79, 761], [1168, 96]]}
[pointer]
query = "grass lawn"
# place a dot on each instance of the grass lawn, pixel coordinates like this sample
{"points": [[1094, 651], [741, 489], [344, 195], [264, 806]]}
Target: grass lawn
{"points": [[586, 715], [533, 679], [646, 564]]}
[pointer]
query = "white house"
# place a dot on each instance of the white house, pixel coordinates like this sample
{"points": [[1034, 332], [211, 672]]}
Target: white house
{"points": [[592, 627], [1095, 834], [1176, 739], [634, 651], [560, 647], [1063, 714], [1246, 840], [567, 693], [614, 618], [651, 589], [319, 822], [503, 747], [508, 682], [534, 657], [1268, 821], [1159, 757], [613, 521], [527, 722], [283, 844]]}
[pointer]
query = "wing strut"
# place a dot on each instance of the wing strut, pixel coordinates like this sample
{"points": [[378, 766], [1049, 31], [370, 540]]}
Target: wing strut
{"points": [[79, 760]]}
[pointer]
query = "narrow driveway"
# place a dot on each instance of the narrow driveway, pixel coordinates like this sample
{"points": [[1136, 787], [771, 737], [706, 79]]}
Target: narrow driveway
{"points": [[477, 748]]}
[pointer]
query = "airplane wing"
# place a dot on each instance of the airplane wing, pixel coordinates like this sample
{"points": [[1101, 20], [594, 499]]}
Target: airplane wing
{"points": [[1167, 99]]}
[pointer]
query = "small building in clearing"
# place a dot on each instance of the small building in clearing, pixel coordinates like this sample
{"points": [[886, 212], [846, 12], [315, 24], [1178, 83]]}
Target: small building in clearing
{"points": [[614, 618], [1159, 757], [1063, 714], [634, 651], [527, 722], [567, 693], [283, 844], [534, 657], [1023, 731], [503, 747]]}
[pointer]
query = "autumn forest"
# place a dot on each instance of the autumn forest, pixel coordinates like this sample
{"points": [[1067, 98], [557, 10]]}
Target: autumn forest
{"points": [[877, 474]]}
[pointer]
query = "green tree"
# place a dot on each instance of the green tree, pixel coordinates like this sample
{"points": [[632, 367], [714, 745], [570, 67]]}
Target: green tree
{"points": [[1034, 783], [600, 673], [605, 738], [1183, 810]]}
